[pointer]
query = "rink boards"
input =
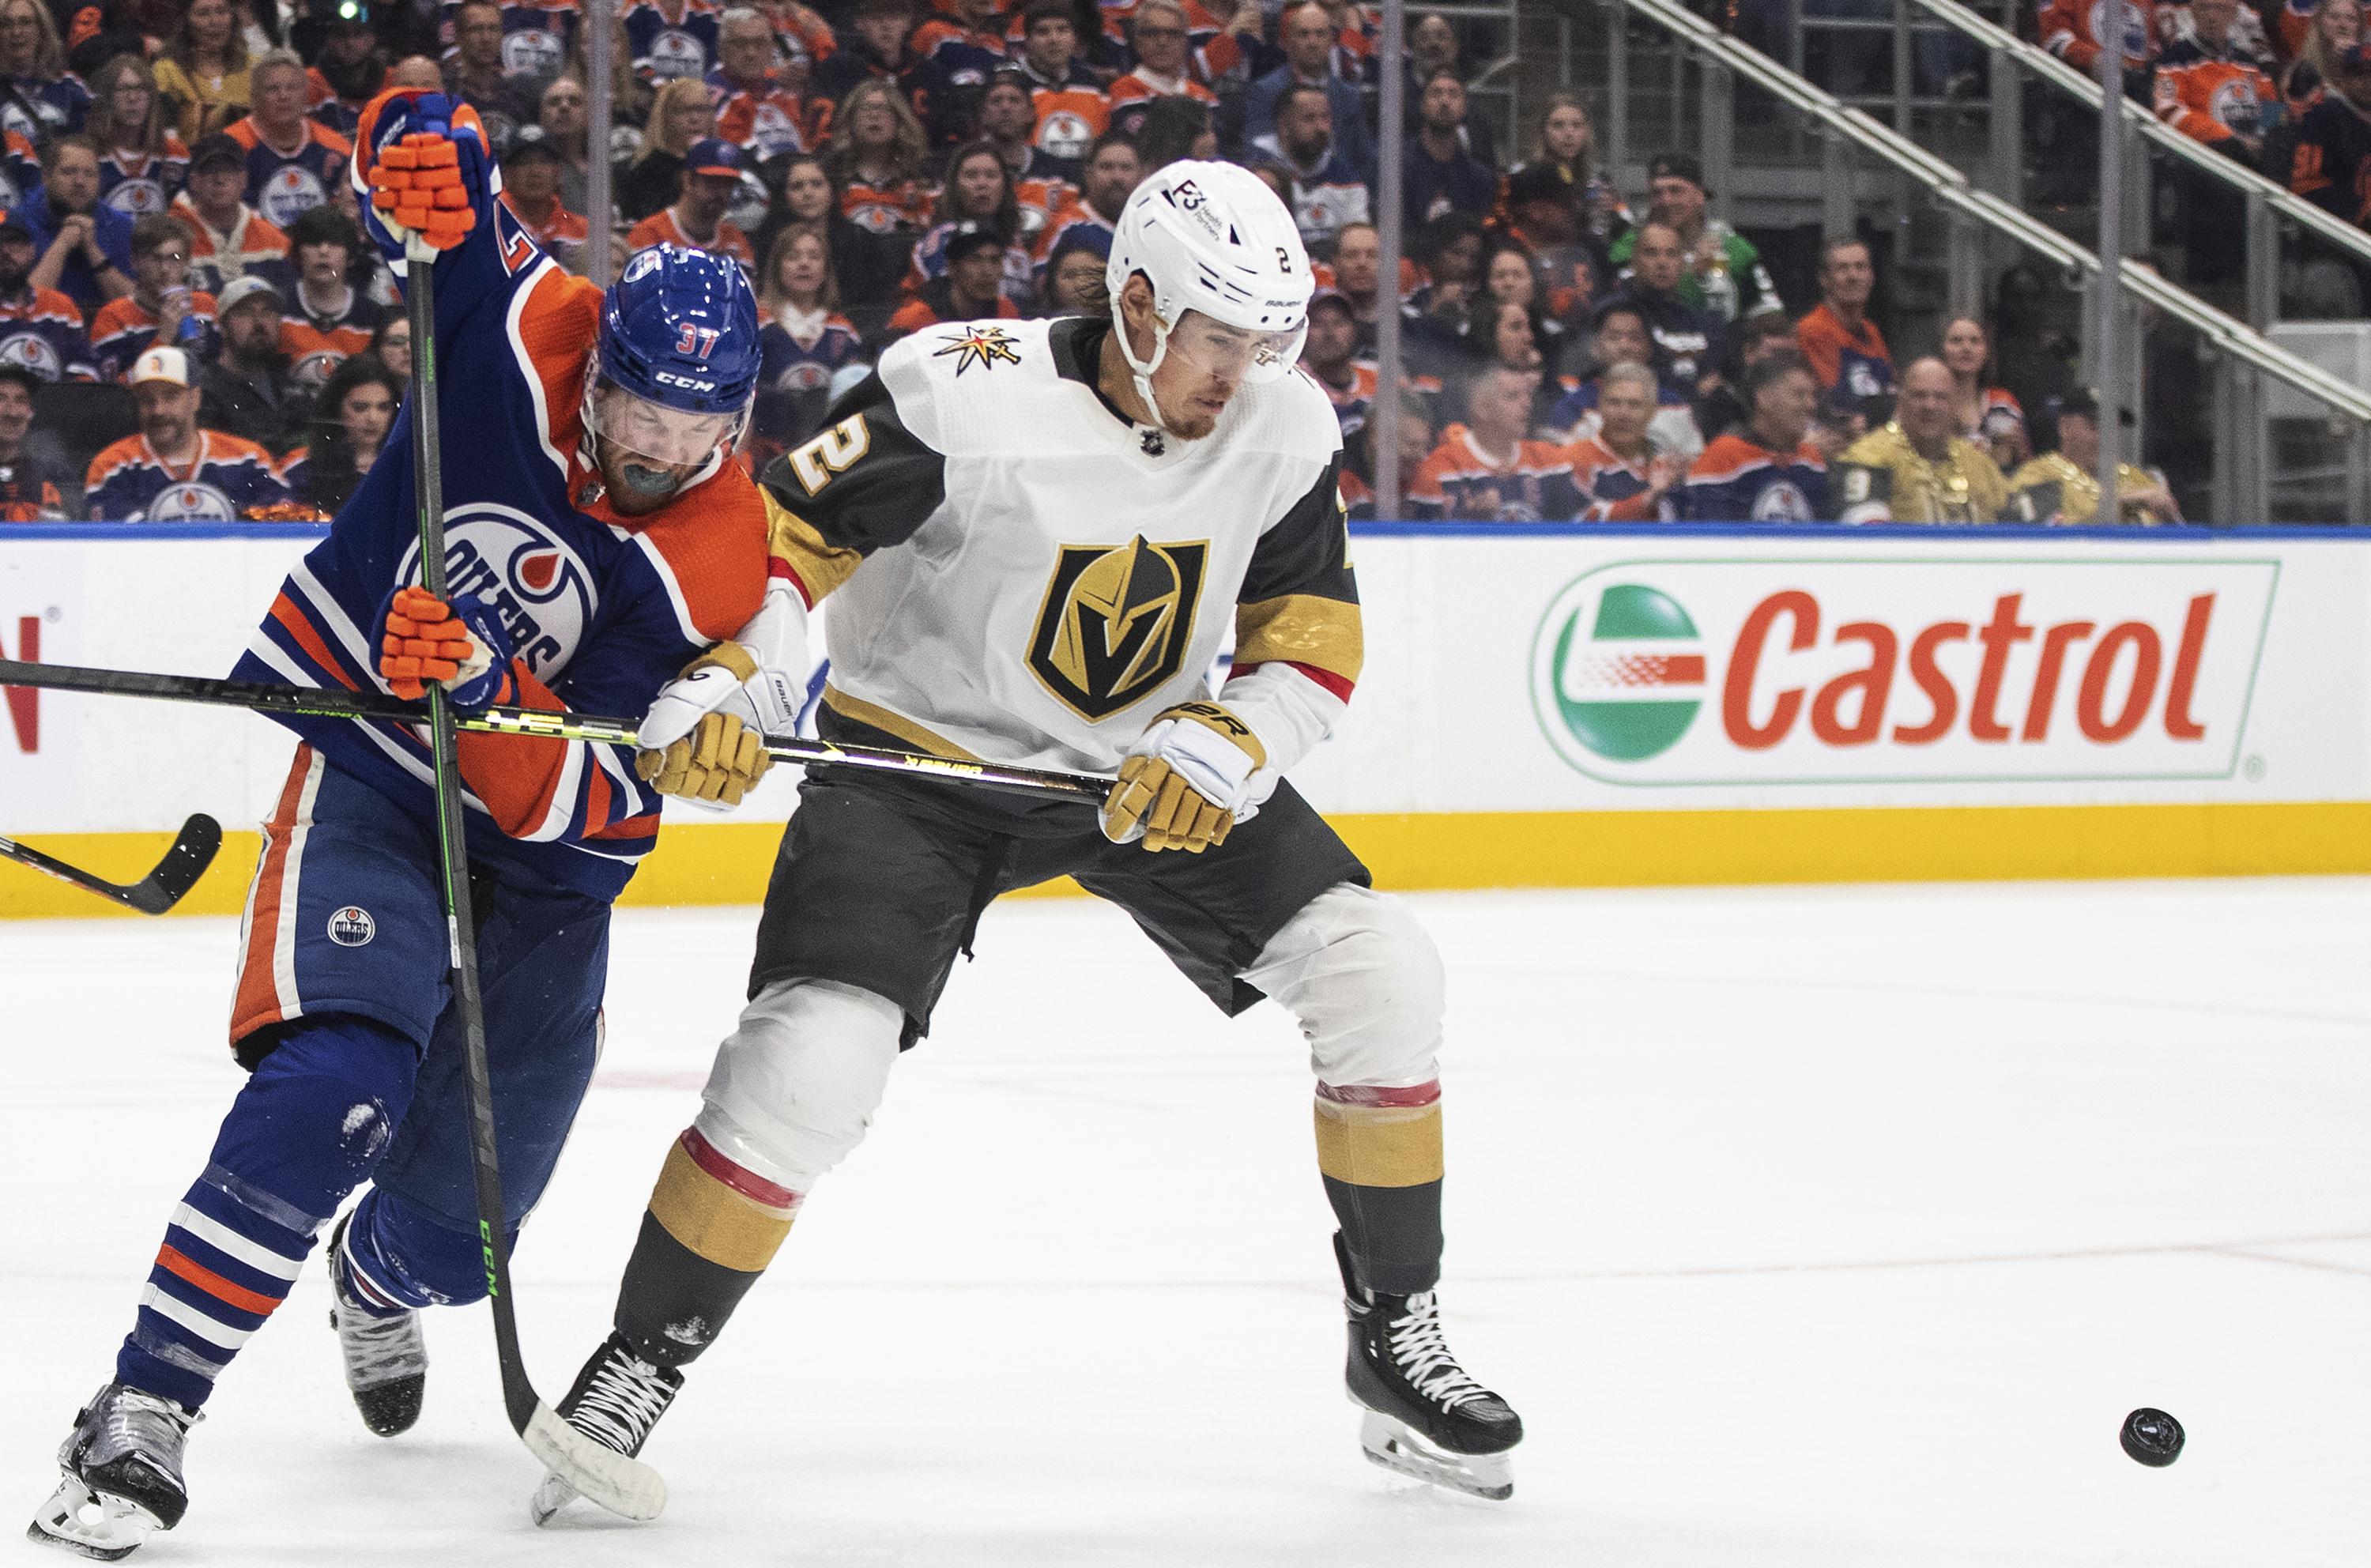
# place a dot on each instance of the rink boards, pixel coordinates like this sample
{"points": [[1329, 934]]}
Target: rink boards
{"points": [[1542, 706]]}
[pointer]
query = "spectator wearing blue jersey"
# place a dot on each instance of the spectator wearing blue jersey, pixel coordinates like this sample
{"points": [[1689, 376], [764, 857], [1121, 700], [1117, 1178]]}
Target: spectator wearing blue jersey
{"points": [[85, 245], [1328, 189], [1767, 472], [1441, 173], [175, 470], [1308, 33]]}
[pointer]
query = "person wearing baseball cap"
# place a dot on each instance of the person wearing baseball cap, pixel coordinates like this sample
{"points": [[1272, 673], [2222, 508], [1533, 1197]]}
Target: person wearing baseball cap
{"points": [[2064, 486], [972, 287], [35, 486], [711, 177], [1722, 272], [247, 390], [175, 470], [227, 238], [531, 173]]}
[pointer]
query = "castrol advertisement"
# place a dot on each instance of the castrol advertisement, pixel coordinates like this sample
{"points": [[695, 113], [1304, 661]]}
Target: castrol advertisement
{"points": [[1508, 669]]}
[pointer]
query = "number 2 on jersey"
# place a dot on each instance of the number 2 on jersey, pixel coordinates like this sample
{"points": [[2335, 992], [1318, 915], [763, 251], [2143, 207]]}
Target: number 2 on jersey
{"points": [[834, 451]]}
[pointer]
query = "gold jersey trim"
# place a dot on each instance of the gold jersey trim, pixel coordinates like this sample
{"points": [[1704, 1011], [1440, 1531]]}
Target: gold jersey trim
{"points": [[1302, 628], [792, 540], [919, 737]]}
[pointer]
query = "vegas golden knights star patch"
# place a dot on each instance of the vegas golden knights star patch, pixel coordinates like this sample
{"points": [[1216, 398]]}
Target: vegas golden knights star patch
{"points": [[986, 347], [1116, 621]]}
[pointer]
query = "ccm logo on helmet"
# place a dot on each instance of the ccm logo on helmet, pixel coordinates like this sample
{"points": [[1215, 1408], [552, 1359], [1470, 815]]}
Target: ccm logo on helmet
{"points": [[689, 383]]}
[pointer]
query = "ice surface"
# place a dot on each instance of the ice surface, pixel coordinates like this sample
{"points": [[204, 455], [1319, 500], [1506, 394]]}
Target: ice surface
{"points": [[1817, 1228]]}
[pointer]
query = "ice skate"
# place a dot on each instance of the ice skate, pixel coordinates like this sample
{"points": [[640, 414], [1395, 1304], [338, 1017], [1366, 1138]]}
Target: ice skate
{"points": [[387, 1356], [122, 1483], [1426, 1416], [616, 1399]]}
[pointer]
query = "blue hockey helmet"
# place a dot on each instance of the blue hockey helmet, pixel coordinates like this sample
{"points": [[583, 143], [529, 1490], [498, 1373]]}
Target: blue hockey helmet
{"points": [[679, 328]]}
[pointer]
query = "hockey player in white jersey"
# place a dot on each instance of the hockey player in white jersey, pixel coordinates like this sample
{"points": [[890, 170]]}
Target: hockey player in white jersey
{"points": [[1034, 534]]}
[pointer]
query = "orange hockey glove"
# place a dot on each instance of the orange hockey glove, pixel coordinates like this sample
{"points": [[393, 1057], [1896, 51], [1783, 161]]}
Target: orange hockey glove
{"points": [[417, 188]]}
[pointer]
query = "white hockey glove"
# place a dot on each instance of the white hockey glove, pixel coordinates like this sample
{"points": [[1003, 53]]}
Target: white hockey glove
{"points": [[704, 737], [1189, 779]]}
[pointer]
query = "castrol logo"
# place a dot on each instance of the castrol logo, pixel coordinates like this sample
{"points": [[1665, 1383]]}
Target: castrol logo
{"points": [[1853, 671]]}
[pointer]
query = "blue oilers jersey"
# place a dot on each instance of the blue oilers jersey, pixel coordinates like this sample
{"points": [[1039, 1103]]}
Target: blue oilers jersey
{"points": [[1734, 480], [603, 609]]}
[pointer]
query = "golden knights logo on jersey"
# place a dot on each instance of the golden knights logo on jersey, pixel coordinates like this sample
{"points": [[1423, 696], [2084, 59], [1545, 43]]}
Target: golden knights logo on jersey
{"points": [[1116, 621]]}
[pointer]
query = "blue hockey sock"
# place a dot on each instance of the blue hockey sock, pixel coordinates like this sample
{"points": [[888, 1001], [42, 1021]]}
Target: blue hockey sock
{"points": [[304, 1131]]}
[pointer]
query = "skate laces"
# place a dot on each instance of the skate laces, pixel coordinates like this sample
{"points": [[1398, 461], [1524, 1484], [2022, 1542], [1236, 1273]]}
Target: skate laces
{"points": [[380, 1350], [622, 1403], [134, 1420], [1421, 1352]]}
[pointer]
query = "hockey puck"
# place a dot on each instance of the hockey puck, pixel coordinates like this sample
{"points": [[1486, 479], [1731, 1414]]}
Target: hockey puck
{"points": [[2152, 1437]]}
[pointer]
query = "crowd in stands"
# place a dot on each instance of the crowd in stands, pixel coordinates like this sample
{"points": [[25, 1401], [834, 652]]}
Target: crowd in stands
{"points": [[192, 324]]}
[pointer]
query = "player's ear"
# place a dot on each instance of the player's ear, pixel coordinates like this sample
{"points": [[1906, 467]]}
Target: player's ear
{"points": [[1135, 313]]}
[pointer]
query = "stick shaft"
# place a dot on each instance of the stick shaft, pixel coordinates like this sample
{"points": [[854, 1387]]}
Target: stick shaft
{"points": [[519, 1398], [303, 702]]}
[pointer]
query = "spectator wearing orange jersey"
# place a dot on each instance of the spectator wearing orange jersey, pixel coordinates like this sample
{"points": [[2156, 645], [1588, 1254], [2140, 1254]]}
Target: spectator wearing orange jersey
{"points": [[2066, 31], [531, 171], [712, 173], [161, 306], [1042, 184], [876, 160], [1488, 471], [1069, 107], [1842, 347], [1159, 33], [2207, 89], [228, 239], [292, 161], [1622, 476], [756, 110]]}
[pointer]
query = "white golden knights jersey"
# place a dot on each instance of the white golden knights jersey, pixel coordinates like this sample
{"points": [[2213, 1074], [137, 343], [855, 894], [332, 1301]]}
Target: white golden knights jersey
{"points": [[1021, 575]]}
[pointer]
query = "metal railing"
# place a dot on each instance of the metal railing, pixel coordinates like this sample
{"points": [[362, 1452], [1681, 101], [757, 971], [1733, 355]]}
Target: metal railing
{"points": [[2245, 357], [2266, 199]]}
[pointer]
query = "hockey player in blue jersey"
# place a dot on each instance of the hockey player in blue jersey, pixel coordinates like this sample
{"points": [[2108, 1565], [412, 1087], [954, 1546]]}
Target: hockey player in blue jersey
{"points": [[604, 553]]}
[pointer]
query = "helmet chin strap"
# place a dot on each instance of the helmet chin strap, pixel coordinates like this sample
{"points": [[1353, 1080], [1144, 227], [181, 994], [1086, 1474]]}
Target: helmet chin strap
{"points": [[1141, 370], [646, 481]]}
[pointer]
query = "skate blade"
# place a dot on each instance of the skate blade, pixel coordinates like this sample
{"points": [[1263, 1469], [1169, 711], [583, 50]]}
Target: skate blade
{"points": [[1398, 1446], [96, 1525], [619, 1482]]}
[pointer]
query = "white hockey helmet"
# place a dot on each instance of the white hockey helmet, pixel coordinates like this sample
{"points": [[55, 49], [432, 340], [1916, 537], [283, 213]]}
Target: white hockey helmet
{"points": [[1212, 237]]}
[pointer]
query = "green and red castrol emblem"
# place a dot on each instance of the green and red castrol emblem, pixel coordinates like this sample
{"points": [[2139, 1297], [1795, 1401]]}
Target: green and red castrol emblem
{"points": [[1914, 669]]}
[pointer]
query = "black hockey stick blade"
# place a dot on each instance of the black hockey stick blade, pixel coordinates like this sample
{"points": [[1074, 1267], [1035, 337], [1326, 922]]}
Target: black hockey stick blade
{"points": [[194, 851]]}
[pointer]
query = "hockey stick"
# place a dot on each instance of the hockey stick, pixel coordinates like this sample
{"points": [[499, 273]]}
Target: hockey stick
{"points": [[192, 851], [303, 702], [616, 1481]]}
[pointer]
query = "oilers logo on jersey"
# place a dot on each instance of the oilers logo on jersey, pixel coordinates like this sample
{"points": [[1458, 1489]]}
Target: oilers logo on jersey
{"points": [[289, 194], [1783, 502], [1116, 621], [33, 352], [533, 52], [535, 582], [192, 502], [674, 52], [1065, 133], [138, 196]]}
